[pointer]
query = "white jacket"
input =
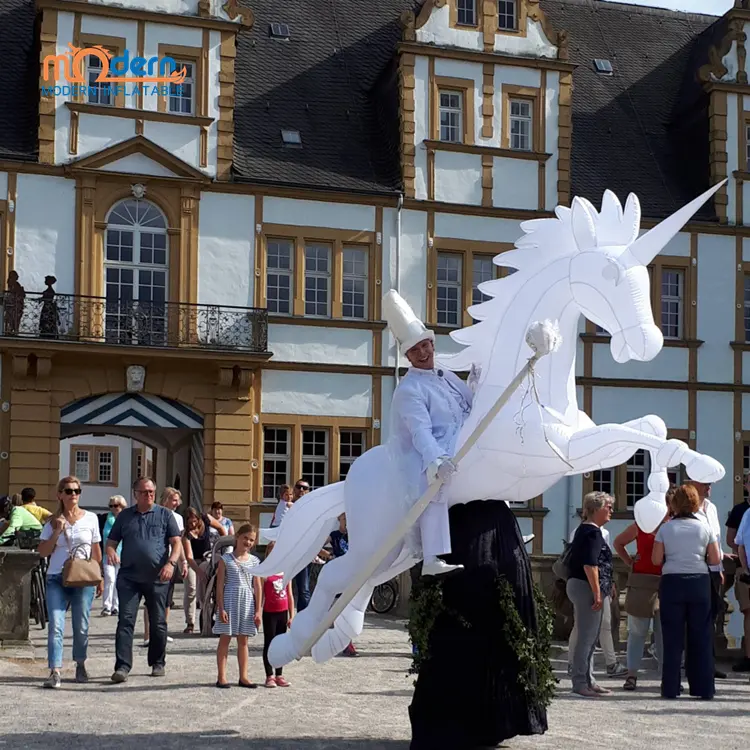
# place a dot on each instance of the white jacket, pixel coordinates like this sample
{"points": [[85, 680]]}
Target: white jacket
{"points": [[428, 410]]}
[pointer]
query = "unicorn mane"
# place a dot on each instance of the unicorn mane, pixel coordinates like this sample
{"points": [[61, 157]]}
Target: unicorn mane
{"points": [[544, 241]]}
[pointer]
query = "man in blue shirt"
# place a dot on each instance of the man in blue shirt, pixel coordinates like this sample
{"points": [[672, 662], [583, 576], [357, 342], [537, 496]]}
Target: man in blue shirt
{"points": [[151, 547]]}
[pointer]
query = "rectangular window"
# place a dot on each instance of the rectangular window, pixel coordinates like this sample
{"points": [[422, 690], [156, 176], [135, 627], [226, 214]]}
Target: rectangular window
{"points": [[746, 308], [483, 269], [181, 100], [521, 122], [279, 274], [449, 302], [98, 92], [675, 476], [82, 464], [276, 460], [672, 294], [354, 291], [318, 279], [604, 481], [637, 469], [747, 147], [466, 12], [507, 14], [451, 116], [352, 446], [105, 462], [315, 457]]}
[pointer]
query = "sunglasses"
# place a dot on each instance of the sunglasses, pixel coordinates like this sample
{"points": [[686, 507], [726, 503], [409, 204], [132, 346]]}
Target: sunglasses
{"points": [[305, 487], [72, 490], [115, 506]]}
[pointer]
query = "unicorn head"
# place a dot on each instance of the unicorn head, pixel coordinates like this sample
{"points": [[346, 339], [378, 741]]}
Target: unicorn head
{"points": [[608, 273]]}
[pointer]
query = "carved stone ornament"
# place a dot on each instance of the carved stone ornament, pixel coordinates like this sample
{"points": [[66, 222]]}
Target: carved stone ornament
{"points": [[714, 69], [204, 8], [135, 377], [233, 9], [138, 191]]}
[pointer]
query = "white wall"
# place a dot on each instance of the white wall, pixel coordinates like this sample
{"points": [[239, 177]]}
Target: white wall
{"points": [[182, 141], [552, 135], [421, 124], [95, 133], [302, 213], [716, 307], [619, 405], [96, 497], [45, 232], [670, 364], [316, 393], [732, 158], [176, 7], [477, 228], [458, 178], [226, 269], [414, 260], [515, 183], [344, 346]]}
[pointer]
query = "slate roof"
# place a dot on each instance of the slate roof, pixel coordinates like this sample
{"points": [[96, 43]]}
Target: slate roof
{"points": [[645, 129]]}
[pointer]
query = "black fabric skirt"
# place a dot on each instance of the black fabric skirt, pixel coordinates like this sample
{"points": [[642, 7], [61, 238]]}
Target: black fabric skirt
{"points": [[468, 694]]}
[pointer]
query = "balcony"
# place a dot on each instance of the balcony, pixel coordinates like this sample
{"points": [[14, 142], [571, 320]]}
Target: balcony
{"points": [[68, 317]]}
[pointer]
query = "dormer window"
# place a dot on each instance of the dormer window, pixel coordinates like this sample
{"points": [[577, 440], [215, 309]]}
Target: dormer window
{"points": [[466, 12], [521, 122], [507, 15]]}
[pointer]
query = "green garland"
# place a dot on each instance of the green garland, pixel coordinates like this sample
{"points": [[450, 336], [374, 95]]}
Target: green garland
{"points": [[535, 673]]}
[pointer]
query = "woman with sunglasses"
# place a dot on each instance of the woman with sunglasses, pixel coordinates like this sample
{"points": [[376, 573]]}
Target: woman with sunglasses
{"points": [[71, 531]]}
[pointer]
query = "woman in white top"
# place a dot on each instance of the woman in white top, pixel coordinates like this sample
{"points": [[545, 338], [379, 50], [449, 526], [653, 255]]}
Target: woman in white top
{"points": [[171, 499], [71, 531]]}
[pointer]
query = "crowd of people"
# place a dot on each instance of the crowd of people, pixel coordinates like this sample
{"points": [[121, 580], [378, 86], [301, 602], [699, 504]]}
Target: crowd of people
{"points": [[137, 552], [675, 591]]}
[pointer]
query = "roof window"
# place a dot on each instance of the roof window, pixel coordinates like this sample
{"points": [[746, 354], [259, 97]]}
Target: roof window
{"points": [[603, 66], [279, 30], [291, 137]]}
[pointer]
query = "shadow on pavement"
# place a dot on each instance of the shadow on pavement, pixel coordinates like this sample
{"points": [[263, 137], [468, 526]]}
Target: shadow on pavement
{"points": [[181, 740]]}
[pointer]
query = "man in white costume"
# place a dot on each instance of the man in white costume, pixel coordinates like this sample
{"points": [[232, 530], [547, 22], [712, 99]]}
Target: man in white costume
{"points": [[428, 410]]}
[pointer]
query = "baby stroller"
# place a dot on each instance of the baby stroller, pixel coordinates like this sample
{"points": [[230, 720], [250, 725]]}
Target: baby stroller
{"points": [[208, 606]]}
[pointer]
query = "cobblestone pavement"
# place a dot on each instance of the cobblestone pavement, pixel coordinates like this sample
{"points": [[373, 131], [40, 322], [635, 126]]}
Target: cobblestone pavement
{"points": [[347, 704]]}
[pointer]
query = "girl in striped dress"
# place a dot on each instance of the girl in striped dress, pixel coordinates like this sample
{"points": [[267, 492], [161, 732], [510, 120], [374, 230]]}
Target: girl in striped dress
{"points": [[237, 592]]}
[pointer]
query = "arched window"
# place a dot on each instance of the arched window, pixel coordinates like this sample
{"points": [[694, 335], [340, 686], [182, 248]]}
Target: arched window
{"points": [[136, 273]]}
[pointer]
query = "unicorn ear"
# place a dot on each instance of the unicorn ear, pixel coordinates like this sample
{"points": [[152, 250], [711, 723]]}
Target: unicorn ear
{"points": [[631, 222], [609, 228], [583, 224]]}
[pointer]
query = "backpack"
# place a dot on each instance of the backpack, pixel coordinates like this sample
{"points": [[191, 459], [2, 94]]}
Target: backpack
{"points": [[561, 566]]}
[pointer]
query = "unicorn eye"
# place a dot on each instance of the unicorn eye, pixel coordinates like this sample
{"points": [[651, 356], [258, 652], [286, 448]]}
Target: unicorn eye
{"points": [[612, 271]]}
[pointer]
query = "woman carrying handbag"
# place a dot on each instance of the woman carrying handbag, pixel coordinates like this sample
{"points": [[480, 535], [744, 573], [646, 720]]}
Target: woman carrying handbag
{"points": [[71, 540]]}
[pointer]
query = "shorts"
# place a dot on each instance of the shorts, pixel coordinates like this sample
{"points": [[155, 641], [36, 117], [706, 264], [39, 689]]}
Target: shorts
{"points": [[742, 592]]}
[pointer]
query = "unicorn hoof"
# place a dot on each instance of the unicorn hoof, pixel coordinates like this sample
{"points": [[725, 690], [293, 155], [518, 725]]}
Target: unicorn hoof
{"points": [[649, 512], [704, 469], [282, 651]]}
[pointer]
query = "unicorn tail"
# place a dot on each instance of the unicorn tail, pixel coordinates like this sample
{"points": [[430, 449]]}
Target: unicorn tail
{"points": [[303, 532]]}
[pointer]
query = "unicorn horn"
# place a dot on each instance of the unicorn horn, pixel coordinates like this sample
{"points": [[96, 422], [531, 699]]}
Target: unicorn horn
{"points": [[647, 247]]}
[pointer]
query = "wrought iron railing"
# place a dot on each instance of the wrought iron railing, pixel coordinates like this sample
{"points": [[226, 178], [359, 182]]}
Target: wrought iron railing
{"points": [[68, 317]]}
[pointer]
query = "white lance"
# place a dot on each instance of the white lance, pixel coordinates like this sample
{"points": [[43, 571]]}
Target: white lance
{"points": [[543, 338]]}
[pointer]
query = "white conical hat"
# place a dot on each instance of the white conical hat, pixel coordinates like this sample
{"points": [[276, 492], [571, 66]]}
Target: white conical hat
{"points": [[405, 326]]}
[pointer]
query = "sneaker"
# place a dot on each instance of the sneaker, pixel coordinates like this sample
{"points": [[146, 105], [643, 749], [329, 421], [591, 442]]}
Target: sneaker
{"points": [[53, 681], [616, 670], [742, 666], [170, 639], [115, 611], [106, 613], [270, 682], [158, 670], [719, 675], [350, 651], [281, 682], [145, 643], [82, 675], [119, 675]]}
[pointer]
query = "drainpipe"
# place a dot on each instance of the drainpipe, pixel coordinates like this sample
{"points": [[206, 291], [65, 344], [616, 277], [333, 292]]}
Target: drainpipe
{"points": [[398, 272], [570, 509]]}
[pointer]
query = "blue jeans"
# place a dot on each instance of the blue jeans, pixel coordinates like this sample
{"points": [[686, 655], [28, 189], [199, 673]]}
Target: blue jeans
{"points": [[637, 633], [129, 594], [58, 599], [685, 602], [302, 584]]}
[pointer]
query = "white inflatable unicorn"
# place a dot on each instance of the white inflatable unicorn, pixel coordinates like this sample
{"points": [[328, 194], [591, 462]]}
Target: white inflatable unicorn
{"points": [[582, 262]]}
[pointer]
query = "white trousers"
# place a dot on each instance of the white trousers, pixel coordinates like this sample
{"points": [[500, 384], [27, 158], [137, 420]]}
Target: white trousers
{"points": [[605, 636], [109, 598], [435, 529]]}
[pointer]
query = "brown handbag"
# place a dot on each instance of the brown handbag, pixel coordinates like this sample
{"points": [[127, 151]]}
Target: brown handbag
{"points": [[80, 572]]}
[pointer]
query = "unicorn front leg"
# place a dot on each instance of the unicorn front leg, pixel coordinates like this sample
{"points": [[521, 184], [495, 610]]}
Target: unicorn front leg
{"points": [[609, 445]]}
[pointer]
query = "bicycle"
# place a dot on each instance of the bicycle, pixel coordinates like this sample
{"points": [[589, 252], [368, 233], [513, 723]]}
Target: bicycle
{"points": [[384, 597], [38, 584]]}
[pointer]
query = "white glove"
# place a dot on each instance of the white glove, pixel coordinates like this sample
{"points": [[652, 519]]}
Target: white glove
{"points": [[442, 469], [473, 380]]}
